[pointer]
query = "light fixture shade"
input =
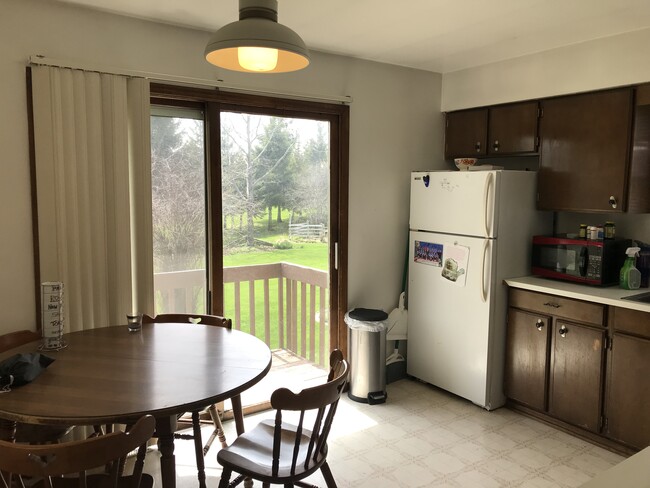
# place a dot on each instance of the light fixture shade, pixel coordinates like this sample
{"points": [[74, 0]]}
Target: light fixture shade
{"points": [[257, 27]]}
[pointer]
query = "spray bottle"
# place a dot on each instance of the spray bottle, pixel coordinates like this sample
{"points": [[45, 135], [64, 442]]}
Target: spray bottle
{"points": [[630, 277]]}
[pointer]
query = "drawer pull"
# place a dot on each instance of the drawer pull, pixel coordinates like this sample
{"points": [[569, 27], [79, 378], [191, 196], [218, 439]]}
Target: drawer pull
{"points": [[563, 331], [551, 304], [539, 324]]}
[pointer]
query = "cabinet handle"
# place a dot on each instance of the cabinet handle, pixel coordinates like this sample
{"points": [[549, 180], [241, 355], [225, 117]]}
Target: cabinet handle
{"points": [[551, 304], [495, 146], [539, 324], [612, 201], [477, 146], [563, 331]]}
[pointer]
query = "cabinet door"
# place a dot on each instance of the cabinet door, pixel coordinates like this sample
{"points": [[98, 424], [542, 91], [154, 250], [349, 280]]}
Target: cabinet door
{"points": [[512, 129], [466, 133], [585, 144], [526, 358], [628, 391], [575, 383]]}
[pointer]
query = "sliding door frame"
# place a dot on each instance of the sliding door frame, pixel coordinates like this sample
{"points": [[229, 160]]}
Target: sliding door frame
{"points": [[213, 102]]}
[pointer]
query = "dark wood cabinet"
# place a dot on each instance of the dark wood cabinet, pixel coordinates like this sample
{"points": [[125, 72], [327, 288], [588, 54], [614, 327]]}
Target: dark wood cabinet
{"points": [[499, 130], [575, 379], [466, 133], [581, 365], [584, 152], [512, 129], [628, 387], [527, 358]]}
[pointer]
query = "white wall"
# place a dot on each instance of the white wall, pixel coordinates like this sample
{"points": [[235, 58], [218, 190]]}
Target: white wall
{"points": [[609, 62], [396, 127]]}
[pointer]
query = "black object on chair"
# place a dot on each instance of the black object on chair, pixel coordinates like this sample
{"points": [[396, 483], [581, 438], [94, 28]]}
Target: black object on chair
{"points": [[31, 433], [277, 452]]}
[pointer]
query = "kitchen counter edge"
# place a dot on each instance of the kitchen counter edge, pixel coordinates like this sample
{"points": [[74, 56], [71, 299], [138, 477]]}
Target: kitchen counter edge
{"points": [[611, 295]]}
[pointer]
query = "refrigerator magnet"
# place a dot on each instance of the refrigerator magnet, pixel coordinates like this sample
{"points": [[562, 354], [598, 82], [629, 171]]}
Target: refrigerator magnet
{"points": [[428, 253], [454, 266]]}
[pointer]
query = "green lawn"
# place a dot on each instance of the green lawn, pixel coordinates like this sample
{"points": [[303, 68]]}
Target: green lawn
{"points": [[312, 254]]}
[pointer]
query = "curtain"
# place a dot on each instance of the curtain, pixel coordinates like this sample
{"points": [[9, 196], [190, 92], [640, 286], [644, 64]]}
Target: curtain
{"points": [[93, 192]]}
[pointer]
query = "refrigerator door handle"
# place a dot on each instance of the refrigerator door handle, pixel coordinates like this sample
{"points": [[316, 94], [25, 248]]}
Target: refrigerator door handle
{"points": [[486, 195], [484, 292]]}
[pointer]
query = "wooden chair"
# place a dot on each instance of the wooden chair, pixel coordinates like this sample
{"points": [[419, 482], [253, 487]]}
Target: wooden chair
{"points": [[277, 452], [52, 461], [33, 434], [218, 431]]}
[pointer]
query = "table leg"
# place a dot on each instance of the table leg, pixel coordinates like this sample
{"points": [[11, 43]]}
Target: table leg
{"points": [[165, 427], [7, 430], [238, 413]]}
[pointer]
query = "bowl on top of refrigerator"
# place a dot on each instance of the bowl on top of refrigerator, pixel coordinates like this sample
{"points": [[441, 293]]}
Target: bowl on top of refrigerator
{"points": [[464, 163]]}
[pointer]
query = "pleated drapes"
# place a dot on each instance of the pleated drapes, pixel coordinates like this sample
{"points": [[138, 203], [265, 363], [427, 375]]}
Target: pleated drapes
{"points": [[93, 192]]}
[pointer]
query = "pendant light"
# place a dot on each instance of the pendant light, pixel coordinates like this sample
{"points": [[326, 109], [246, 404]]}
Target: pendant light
{"points": [[256, 43]]}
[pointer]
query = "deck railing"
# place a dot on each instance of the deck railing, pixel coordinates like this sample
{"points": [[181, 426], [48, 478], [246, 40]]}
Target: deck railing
{"points": [[283, 304]]}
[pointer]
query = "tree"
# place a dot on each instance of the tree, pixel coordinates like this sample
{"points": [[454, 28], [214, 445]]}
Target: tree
{"points": [[178, 194], [275, 171], [311, 193]]}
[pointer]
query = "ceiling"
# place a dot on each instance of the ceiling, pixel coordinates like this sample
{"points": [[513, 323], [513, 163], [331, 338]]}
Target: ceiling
{"points": [[433, 35]]}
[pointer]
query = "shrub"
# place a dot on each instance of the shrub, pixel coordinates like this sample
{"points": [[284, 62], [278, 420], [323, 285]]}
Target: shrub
{"points": [[283, 244]]}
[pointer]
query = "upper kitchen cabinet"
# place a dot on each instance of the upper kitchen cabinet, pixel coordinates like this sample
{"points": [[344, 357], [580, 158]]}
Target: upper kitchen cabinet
{"points": [[493, 131], [639, 179], [466, 133], [585, 151]]}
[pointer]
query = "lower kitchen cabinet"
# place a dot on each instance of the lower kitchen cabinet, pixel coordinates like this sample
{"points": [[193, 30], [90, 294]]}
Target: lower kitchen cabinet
{"points": [[575, 379], [527, 358], [627, 405]]}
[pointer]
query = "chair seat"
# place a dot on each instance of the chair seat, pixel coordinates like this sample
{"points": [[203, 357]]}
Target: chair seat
{"points": [[252, 453]]}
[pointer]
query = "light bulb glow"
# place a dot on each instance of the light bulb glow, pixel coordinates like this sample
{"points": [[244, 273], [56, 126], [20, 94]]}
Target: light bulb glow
{"points": [[257, 58]]}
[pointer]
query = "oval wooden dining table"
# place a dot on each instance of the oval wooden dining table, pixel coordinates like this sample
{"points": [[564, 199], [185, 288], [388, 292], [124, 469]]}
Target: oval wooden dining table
{"points": [[110, 375]]}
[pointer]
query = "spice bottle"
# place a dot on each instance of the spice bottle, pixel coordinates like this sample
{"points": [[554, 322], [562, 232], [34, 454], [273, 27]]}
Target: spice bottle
{"points": [[610, 230], [583, 231]]}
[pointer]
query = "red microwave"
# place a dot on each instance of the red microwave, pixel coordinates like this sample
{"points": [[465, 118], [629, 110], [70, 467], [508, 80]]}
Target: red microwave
{"points": [[592, 262]]}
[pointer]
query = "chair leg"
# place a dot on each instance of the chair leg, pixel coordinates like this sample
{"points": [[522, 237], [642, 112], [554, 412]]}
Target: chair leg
{"points": [[198, 448], [218, 430], [225, 478], [327, 474]]}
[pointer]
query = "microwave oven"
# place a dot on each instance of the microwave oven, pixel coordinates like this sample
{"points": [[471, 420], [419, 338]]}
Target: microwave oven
{"points": [[592, 262]]}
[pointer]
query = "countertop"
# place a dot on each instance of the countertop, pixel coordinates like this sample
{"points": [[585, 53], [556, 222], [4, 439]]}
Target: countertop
{"points": [[634, 472], [607, 295]]}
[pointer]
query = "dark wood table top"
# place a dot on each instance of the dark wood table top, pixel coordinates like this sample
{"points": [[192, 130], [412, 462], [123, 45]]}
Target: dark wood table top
{"points": [[111, 375]]}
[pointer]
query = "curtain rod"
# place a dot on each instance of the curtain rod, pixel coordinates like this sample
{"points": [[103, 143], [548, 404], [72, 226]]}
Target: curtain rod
{"points": [[40, 60]]}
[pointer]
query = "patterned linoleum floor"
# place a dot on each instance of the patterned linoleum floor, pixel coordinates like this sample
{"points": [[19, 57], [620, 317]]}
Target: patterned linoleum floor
{"points": [[426, 437]]}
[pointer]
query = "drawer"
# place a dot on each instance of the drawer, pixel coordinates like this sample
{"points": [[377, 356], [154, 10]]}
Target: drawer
{"points": [[574, 310], [630, 321]]}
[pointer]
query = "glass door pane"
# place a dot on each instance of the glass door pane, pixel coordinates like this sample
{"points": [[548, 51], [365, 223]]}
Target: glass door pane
{"points": [[275, 196], [179, 210]]}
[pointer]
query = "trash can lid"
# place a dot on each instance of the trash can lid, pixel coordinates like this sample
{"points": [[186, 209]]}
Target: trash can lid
{"points": [[368, 314]]}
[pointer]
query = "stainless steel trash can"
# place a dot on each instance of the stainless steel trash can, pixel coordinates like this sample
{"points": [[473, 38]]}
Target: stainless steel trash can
{"points": [[367, 351]]}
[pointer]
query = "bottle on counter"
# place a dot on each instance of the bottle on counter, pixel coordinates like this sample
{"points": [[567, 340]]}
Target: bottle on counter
{"points": [[583, 231], [600, 232], [630, 276], [592, 232], [610, 230]]}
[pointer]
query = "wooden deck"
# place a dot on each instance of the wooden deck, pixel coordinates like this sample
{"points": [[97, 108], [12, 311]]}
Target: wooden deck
{"points": [[288, 370]]}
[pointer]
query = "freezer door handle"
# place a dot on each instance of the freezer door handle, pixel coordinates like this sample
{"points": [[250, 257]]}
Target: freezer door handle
{"points": [[484, 292], [486, 195]]}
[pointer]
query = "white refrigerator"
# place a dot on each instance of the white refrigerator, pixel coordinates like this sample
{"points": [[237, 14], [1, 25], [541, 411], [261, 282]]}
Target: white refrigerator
{"points": [[469, 230]]}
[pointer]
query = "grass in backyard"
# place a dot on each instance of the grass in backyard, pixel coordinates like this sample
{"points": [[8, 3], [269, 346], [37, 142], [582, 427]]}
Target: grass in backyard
{"points": [[311, 254]]}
